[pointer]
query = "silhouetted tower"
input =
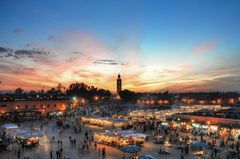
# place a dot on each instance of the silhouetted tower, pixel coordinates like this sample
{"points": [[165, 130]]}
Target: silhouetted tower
{"points": [[119, 84]]}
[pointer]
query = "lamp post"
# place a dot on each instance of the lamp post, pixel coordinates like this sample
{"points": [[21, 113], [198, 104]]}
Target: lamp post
{"points": [[96, 98]]}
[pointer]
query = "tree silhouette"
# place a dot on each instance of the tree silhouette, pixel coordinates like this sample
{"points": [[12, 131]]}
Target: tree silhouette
{"points": [[19, 91], [127, 95], [88, 92]]}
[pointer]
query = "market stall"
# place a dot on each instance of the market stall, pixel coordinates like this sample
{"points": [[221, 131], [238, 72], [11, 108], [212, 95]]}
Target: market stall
{"points": [[103, 122], [10, 126], [110, 139], [134, 138], [27, 139]]}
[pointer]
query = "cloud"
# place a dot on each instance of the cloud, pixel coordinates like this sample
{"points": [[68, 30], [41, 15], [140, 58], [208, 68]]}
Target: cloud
{"points": [[30, 44], [51, 37], [84, 57], [14, 74], [69, 60], [17, 30], [5, 50], [87, 74], [106, 60], [34, 54], [205, 48], [8, 55], [222, 79], [30, 53], [77, 53], [29, 69], [109, 62]]}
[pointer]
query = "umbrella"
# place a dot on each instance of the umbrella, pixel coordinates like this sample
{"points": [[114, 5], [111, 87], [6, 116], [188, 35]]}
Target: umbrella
{"points": [[127, 132], [200, 144], [120, 120], [131, 149], [29, 135], [21, 131], [147, 157], [137, 135], [37, 134], [10, 126]]}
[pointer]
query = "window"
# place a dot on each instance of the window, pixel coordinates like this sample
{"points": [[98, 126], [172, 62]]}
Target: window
{"points": [[26, 106]]}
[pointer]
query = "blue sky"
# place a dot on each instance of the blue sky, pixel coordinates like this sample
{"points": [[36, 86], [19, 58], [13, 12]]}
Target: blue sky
{"points": [[167, 44]]}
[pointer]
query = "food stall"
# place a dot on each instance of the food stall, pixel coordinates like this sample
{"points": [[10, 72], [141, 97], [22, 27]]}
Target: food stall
{"points": [[167, 144], [27, 139], [134, 138], [10, 126], [120, 138], [159, 139], [104, 122], [4, 144], [110, 139], [8, 130]]}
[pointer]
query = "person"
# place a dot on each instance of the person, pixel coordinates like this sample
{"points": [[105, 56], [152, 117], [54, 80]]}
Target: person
{"points": [[51, 154], [228, 157], [95, 145], [87, 147], [18, 155], [60, 153], [182, 156], [103, 152], [74, 142], [215, 152], [99, 152], [160, 149], [57, 154]]}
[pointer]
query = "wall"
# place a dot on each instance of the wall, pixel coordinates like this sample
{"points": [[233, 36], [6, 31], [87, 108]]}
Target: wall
{"points": [[210, 120], [37, 105]]}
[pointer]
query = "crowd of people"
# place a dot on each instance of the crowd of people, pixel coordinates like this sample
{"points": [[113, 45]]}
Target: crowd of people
{"points": [[180, 138]]}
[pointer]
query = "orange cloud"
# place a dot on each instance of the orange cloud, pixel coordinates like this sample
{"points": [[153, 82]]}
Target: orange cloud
{"points": [[83, 57], [204, 48]]}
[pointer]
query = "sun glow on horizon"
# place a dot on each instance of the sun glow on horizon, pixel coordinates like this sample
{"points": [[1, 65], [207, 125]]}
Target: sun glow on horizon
{"points": [[155, 46]]}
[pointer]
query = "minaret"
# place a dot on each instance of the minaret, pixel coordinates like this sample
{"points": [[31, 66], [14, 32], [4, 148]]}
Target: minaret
{"points": [[119, 84]]}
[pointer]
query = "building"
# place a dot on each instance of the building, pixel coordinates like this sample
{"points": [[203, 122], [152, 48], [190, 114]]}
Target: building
{"points": [[119, 84], [41, 106]]}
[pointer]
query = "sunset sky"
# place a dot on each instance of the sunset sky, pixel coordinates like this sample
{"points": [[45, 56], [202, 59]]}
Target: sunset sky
{"points": [[156, 45]]}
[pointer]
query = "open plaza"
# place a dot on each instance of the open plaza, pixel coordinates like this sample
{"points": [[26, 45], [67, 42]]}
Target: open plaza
{"points": [[87, 132], [119, 79]]}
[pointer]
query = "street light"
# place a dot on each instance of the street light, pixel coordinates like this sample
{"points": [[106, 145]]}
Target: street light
{"points": [[118, 97], [152, 101], [147, 102], [96, 98], [75, 101], [63, 107], [83, 101]]}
